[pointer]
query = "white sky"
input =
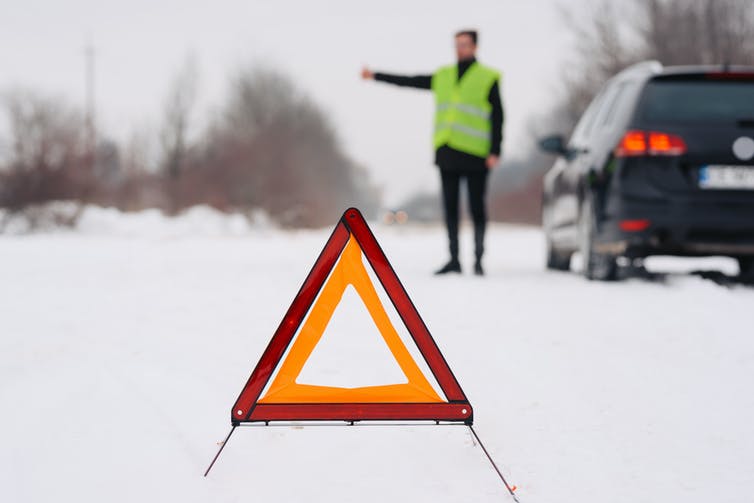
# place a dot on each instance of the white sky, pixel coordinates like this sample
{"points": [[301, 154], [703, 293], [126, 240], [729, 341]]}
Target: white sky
{"points": [[141, 44]]}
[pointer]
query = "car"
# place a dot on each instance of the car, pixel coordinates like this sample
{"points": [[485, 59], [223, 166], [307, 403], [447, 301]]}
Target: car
{"points": [[660, 163]]}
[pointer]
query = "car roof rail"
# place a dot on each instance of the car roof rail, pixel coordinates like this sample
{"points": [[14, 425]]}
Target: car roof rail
{"points": [[642, 68]]}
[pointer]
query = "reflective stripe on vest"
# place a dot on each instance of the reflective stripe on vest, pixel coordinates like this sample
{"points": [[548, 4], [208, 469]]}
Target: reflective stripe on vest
{"points": [[469, 109], [463, 112], [485, 135]]}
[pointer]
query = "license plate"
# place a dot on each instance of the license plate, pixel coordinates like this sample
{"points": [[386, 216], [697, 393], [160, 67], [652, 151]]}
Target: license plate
{"points": [[726, 177]]}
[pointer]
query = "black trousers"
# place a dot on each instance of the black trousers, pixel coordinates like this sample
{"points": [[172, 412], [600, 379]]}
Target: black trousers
{"points": [[476, 182]]}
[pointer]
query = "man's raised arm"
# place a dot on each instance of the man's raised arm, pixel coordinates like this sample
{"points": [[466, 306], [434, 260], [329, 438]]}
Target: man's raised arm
{"points": [[417, 81]]}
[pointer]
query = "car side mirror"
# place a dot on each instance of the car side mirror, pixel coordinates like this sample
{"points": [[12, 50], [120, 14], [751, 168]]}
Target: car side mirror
{"points": [[554, 145]]}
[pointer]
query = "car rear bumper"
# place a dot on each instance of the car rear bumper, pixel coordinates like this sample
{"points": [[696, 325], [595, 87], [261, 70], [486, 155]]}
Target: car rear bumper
{"points": [[678, 227]]}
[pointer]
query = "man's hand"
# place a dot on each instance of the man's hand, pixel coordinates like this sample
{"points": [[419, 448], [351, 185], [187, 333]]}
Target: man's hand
{"points": [[492, 161], [367, 74]]}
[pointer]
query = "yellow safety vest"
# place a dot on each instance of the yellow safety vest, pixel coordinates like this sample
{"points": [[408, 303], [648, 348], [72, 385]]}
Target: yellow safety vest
{"points": [[463, 114]]}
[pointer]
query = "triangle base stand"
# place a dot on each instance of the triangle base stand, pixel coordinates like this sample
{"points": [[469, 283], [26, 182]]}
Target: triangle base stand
{"points": [[511, 489]]}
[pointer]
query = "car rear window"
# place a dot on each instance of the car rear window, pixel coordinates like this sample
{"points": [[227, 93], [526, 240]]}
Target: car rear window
{"points": [[698, 101]]}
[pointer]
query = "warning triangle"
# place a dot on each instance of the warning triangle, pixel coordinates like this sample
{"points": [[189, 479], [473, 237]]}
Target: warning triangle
{"points": [[338, 269]]}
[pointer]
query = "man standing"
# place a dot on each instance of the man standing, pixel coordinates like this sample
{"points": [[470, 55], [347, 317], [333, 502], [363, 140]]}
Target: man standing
{"points": [[468, 133]]}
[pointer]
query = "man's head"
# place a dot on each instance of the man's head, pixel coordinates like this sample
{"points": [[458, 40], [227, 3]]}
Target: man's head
{"points": [[466, 44]]}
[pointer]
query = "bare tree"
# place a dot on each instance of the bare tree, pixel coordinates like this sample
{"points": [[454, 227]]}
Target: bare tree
{"points": [[274, 148], [179, 107], [47, 159], [682, 32]]}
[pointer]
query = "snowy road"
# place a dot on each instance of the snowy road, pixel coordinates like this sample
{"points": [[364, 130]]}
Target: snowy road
{"points": [[121, 354]]}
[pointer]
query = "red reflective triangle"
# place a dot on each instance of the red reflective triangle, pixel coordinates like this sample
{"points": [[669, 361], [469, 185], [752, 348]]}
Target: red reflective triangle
{"points": [[248, 407]]}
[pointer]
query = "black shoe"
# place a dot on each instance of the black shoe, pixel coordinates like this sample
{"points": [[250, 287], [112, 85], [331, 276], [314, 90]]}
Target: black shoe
{"points": [[478, 270], [452, 266]]}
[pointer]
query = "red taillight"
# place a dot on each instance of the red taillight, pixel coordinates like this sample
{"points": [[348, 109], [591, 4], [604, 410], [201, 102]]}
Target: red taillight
{"points": [[634, 225], [636, 143], [666, 144], [632, 143]]}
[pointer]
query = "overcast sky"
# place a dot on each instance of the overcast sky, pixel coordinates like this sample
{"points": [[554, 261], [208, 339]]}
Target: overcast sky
{"points": [[141, 44]]}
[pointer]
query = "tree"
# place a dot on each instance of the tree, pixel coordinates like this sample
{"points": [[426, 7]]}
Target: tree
{"points": [[274, 148], [47, 158], [179, 107]]}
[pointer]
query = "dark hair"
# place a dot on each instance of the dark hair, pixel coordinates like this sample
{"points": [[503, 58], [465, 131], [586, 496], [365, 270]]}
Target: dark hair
{"points": [[471, 33]]}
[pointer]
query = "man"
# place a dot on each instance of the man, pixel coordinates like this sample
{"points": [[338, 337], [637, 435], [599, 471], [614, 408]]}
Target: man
{"points": [[468, 133]]}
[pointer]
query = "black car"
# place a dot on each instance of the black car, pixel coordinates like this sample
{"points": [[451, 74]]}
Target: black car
{"points": [[661, 163]]}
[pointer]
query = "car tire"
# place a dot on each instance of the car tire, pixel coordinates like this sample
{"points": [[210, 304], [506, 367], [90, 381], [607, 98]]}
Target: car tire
{"points": [[746, 267], [597, 266], [557, 261]]}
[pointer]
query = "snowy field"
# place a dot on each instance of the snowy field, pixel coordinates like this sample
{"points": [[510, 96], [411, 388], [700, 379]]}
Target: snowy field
{"points": [[124, 345]]}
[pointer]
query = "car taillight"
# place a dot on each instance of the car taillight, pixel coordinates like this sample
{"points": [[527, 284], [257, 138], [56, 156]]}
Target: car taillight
{"points": [[666, 144], [632, 143], [635, 143], [634, 225]]}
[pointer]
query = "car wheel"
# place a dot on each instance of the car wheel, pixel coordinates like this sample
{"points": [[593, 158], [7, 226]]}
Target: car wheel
{"points": [[557, 261], [746, 267], [597, 266]]}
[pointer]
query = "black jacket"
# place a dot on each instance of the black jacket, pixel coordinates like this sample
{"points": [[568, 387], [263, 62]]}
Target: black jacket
{"points": [[446, 157]]}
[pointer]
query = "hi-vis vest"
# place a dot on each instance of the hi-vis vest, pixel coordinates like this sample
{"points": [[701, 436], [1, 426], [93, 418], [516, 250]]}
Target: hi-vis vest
{"points": [[462, 118]]}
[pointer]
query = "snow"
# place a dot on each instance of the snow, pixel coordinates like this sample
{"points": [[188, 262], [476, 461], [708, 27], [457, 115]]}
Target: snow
{"points": [[124, 344], [199, 220], [196, 221]]}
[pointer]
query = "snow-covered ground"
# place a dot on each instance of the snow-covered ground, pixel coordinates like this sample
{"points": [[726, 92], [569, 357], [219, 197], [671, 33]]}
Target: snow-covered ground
{"points": [[124, 345]]}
